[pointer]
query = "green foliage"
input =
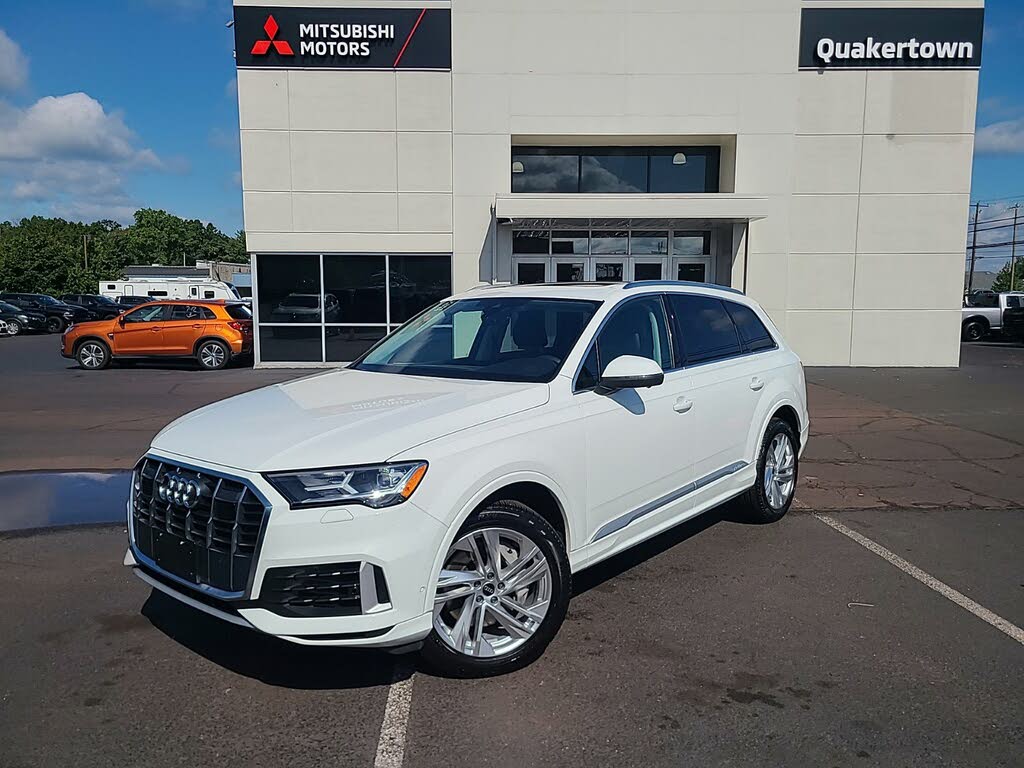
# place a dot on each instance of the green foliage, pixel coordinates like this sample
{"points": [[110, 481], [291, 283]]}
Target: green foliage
{"points": [[40, 255], [1002, 281]]}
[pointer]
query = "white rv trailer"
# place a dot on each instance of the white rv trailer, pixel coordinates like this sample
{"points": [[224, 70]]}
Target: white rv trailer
{"points": [[169, 288]]}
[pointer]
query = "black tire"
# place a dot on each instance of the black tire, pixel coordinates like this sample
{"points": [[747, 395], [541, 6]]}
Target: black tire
{"points": [[212, 355], [519, 518], [92, 355], [754, 505], [13, 327], [974, 330], [55, 325]]}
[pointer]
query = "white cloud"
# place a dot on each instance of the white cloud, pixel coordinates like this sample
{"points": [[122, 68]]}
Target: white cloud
{"points": [[1003, 137], [231, 89], [68, 156], [13, 64]]}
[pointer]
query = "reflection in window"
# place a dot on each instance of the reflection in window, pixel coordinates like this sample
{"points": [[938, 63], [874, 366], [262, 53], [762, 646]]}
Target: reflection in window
{"points": [[691, 244], [608, 272], [287, 283], [648, 243], [683, 171], [606, 173], [527, 241], [570, 242], [545, 173], [301, 344], [602, 243], [357, 285], [345, 343], [648, 271], [566, 272], [529, 273], [417, 282]]}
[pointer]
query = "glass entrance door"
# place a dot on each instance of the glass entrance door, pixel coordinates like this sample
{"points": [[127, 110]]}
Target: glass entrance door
{"points": [[695, 269], [647, 268], [609, 270], [570, 270]]}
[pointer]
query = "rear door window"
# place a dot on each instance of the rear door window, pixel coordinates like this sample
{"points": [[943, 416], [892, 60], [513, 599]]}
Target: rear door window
{"points": [[753, 334], [706, 330], [238, 312], [189, 312]]}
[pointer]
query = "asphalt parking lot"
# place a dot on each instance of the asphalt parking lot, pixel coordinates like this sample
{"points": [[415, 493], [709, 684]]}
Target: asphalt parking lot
{"points": [[718, 643]]}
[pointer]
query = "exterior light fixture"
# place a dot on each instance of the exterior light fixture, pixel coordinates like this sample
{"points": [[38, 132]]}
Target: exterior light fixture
{"points": [[679, 158], [517, 167]]}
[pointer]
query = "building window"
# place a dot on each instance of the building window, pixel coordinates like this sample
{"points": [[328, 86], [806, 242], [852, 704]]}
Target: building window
{"points": [[333, 307], [620, 170]]}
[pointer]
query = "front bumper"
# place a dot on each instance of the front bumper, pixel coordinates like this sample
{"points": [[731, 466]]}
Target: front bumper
{"points": [[400, 543]]}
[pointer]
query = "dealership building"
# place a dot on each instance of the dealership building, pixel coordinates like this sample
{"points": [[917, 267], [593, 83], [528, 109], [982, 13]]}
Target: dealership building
{"points": [[815, 155]]}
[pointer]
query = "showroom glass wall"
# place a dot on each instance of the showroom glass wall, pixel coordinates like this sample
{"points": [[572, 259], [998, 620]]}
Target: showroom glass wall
{"points": [[315, 308]]}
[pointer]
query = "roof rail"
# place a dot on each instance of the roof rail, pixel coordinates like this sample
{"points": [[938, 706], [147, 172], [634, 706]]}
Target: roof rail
{"points": [[678, 283]]}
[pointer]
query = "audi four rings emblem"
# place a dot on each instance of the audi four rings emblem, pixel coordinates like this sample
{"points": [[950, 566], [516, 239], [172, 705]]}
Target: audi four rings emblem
{"points": [[179, 490]]}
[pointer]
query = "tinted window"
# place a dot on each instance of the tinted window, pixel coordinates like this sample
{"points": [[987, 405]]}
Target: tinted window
{"points": [[281, 279], [637, 328], [1013, 302], [545, 172], [684, 171], [358, 284], [613, 173], [569, 272], [528, 242], [151, 314], [208, 294], [188, 312], [417, 282], [528, 273], [647, 271], [707, 332], [691, 244], [570, 242], [753, 334], [300, 343], [648, 243], [238, 312], [500, 339]]}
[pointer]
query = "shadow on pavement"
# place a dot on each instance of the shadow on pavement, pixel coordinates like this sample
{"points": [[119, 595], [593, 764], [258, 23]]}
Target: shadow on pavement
{"points": [[619, 564], [266, 658]]}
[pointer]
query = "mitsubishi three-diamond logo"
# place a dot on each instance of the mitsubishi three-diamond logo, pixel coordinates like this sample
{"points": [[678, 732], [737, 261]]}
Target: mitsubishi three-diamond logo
{"points": [[263, 46]]}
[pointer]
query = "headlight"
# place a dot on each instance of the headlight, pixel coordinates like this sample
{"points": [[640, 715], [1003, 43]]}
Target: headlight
{"points": [[23, 318], [379, 485]]}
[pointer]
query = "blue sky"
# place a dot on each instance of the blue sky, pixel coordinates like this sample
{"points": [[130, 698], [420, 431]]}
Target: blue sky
{"points": [[106, 106]]}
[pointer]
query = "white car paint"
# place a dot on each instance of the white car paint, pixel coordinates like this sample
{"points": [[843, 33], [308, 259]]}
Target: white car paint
{"points": [[621, 466]]}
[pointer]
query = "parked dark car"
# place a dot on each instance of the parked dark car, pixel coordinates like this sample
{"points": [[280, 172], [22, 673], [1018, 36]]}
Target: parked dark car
{"points": [[58, 314], [19, 320], [104, 308], [133, 301]]}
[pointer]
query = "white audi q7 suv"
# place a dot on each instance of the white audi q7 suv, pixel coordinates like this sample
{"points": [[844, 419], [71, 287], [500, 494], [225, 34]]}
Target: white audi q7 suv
{"points": [[443, 489]]}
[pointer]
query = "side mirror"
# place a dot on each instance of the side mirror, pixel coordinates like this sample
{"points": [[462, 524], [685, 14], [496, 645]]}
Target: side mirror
{"points": [[630, 372], [120, 320]]}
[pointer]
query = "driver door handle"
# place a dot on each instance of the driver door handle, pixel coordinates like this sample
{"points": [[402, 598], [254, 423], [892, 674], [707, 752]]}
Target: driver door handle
{"points": [[683, 404], [757, 383], [197, 325], [154, 330]]}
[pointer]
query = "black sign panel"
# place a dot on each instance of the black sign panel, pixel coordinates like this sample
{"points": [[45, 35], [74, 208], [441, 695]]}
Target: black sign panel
{"points": [[891, 38], [343, 38]]}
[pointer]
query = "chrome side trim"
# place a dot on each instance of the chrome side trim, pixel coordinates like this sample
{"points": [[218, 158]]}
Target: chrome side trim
{"points": [[622, 521]]}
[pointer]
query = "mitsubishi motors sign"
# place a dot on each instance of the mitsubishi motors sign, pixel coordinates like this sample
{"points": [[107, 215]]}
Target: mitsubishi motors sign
{"points": [[343, 38], [891, 38]]}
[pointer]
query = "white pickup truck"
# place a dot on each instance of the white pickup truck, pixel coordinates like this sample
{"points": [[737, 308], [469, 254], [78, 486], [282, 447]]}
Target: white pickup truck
{"points": [[983, 312]]}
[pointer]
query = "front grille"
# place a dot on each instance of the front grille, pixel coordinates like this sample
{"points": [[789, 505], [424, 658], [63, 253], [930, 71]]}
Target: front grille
{"points": [[331, 589], [213, 543]]}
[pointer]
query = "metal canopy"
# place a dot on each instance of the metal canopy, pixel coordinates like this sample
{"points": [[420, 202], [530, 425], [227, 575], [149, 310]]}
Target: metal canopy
{"points": [[619, 223]]}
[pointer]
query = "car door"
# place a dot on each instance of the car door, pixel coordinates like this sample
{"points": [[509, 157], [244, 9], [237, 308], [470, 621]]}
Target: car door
{"points": [[141, 332], [639, 442], [726, 379], [184, 326]]}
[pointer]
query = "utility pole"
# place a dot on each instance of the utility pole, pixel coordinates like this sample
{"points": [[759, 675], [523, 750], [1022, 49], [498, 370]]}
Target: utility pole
{"points": [[85, 250], [974, 246], [1013, 249]]}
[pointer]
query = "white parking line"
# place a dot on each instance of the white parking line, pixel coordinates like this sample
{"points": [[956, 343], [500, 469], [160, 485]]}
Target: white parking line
{"points": [[928, 580], [391, 744]]}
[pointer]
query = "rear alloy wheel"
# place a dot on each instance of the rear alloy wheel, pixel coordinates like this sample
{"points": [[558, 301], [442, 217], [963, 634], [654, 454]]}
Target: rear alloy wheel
{"points": [[777, 469], [13, 327], [54, 325], [502, 593], [93, 355], [974, 330], [212, 355]]}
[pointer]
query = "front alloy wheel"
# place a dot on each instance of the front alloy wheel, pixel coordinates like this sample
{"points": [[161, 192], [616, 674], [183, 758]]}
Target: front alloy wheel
{"points": [[501, 595], [13, 327], [93, 356]]}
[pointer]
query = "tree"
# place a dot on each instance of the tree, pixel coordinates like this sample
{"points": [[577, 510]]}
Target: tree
{"points": [[43, 255], [1002, 281]]}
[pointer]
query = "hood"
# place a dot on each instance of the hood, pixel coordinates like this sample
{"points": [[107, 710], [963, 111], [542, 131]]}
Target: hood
{"points": [[342, 418]]}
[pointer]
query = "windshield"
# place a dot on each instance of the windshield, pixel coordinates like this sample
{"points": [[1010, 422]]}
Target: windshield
{"points": [[47, 300], [102, 300], [5, 307], [499, 339]]}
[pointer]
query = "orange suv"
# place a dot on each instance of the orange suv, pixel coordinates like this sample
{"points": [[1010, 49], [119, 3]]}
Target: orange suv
{"points": [[212, 332]]}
